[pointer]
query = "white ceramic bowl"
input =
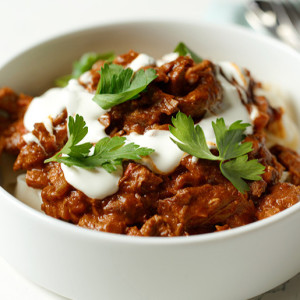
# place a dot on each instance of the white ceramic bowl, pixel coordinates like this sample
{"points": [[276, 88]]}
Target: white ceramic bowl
{"points": [[85, 264]]}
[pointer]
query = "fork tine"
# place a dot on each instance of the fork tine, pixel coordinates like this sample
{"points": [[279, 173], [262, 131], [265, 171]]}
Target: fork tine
{"points": [[292, 10], [295, 4], [284, 22], [280, 12], [287, 28], [293, 13]]}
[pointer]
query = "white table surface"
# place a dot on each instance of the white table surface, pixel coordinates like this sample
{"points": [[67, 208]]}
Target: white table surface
{"points": [[24, 23]]}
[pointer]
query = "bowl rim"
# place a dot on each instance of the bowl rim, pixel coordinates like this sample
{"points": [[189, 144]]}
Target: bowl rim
{"points": [[155, 241]]}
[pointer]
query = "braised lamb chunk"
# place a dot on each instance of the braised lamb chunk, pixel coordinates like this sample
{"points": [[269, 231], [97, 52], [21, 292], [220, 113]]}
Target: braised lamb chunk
{"points": [[192, 174], [30, 156], [33, 155], [71, 208], [152, 108], [282, 196], [37, 178], [59, 198], [257, 188], [290, 159], [206, 96], [274, 169], [12, 137], [157, 226], [139, 179], [58, 186], [60, 129], [268, 117], [107, 223], [47, 140], [154, 226], [8, 101], [176, 71], [12, 110], [129, 207], [126, 58], [203, 171], [200, 208], [137, 197], [274, 115], [13, 104]]}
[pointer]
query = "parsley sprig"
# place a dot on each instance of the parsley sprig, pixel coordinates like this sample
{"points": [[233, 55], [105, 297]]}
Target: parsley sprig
{"points": [[117, 85], [234, 163], [84, 64], [183, 50], [108, 152]]}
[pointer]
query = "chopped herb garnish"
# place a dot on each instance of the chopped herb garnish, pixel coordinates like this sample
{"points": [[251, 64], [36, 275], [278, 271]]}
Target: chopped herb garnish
{"points": [[84, 64], [118, 85], [183, 50], [233, 157], [108, 152], [63, 80]]}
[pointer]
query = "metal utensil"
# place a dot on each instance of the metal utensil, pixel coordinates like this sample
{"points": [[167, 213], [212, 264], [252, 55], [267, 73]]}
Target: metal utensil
{"points": [[280, 18]]}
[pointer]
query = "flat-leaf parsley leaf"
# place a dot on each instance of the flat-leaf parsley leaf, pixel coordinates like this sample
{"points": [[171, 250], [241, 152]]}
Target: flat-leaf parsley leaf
{"points": [[183, 50], [118, 85], [233, 157], [84, 64], [108, 152]]}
